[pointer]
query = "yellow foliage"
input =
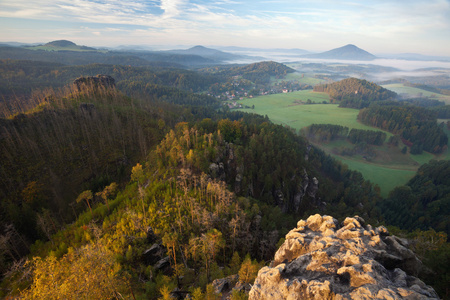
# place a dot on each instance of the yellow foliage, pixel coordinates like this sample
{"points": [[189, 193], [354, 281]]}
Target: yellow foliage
{"points": [[248, 271], [87, 273]]}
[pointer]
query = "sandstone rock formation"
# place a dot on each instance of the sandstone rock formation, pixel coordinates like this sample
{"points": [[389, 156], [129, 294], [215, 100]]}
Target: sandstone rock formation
{"points": [[95, 81], [321, 259]]}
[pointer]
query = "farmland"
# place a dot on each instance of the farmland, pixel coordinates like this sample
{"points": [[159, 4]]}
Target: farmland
{"points": [[390, 168]]}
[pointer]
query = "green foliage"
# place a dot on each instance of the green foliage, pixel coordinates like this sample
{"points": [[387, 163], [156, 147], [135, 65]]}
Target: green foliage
{"points": [[416, 125], [367, 136], [424, 202], [355, 93], [238, 295]]}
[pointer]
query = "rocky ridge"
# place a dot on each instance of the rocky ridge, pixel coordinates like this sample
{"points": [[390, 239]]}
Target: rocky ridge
{"points": [[322, 259]]}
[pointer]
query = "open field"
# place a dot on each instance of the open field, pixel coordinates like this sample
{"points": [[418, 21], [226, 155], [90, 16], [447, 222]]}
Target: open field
{"points": [[282, 109], [399, 88], [388, 169], [387, 178], [303, 78]]}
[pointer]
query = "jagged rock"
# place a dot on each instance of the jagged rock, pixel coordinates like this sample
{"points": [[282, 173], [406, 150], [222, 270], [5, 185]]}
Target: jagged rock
{"points": [[96, 81], [154, 254], [322, 259], [307, 187], [237, 183], [221, 285], [217, 171], [224, 284], [163, 264]]}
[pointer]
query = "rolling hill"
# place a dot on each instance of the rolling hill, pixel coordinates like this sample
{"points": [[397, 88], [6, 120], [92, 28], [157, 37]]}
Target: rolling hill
{"points": [[62, 45], [209, 53]]}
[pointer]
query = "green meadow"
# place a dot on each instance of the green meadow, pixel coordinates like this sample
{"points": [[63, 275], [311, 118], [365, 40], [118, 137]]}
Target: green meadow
{"points": [[389, 169], [387, 178], [300, 77], [291, 109]]}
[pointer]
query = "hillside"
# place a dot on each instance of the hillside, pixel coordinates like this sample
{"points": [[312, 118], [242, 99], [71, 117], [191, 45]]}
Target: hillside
{"points": [[348, 52], [355, 93], [143, 186]]}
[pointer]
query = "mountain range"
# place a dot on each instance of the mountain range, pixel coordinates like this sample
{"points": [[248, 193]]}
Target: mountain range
{"points": [[219, 54]]}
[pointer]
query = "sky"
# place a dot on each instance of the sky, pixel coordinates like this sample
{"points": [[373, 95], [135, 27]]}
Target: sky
{"points": [[377, 26]]}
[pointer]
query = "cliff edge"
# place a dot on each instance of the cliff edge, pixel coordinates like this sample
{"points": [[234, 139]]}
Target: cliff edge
{"points": [[322, 259]]}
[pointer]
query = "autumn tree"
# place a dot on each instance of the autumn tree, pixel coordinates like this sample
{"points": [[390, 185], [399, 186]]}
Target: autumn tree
{"points": [[85, 196], [89, 272], [248, 270], [107, 192]]}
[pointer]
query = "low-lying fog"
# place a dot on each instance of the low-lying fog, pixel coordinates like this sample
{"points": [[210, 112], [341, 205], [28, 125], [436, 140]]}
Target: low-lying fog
{"points": [[400, 68]]}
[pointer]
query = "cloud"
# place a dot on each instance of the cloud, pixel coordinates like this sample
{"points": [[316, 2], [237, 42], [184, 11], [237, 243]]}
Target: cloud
{"points": [[321, 24]]}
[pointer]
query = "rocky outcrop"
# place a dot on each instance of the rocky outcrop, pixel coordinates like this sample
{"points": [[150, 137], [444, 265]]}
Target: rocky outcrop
{"points": [[95, 81], [322, 259]]}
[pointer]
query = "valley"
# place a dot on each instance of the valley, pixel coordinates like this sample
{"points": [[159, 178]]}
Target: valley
{"points": [[157, 174], [388, 169]]}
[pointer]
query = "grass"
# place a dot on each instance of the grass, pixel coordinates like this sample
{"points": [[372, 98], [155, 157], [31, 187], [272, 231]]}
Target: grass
{"points": [[399, 88], [387, 178], [300, 77], [389, 169], [281, 109]]}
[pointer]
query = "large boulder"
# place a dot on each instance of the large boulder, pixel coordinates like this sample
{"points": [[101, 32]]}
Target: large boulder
{"points": [[322, 259]]}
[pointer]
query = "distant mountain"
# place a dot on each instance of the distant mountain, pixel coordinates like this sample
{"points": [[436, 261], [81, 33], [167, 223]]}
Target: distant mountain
{"points": [[62, 45], [209, 53], [348, 52]]}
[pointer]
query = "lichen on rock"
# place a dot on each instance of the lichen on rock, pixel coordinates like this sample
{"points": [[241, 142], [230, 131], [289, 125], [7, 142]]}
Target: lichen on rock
{"points": [[322, 259]]}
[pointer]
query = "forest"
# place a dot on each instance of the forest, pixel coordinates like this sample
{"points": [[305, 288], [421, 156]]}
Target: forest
{"points": [[416, 125], [355, 93], [150, 188]]}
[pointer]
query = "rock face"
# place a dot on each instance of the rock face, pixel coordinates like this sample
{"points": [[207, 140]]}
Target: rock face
{"points": [[96, 81], [321, 259]]}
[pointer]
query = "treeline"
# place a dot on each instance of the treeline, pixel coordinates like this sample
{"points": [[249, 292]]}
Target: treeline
{"points": [[325, 132], [366, 136], [443, 112], [417, 126], [355, 93], [428, 88], [330, 132], [424, 102]]}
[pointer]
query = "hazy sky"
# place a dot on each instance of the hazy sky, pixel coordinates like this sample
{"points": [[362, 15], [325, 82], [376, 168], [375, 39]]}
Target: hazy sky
{"points": [[378, 26]]}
